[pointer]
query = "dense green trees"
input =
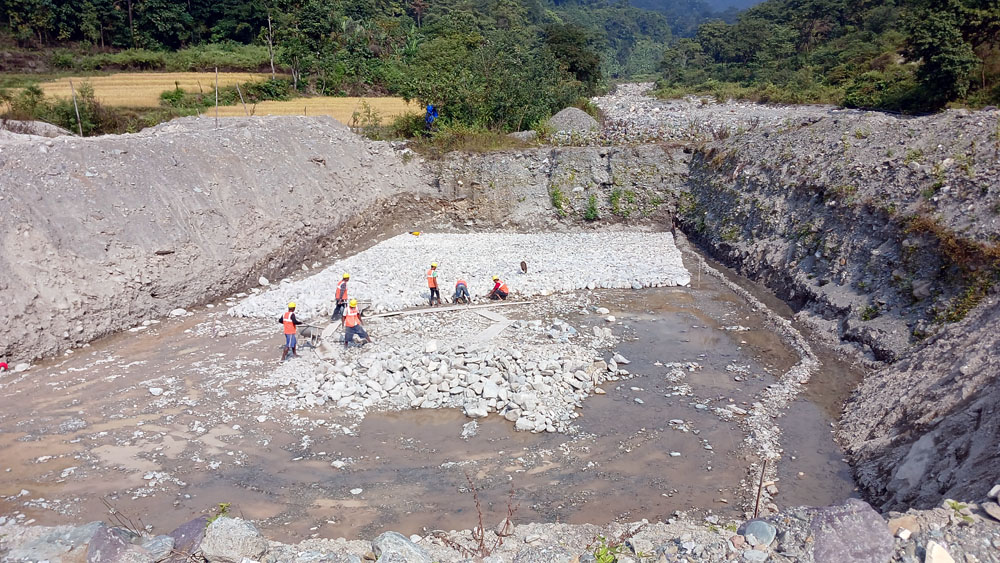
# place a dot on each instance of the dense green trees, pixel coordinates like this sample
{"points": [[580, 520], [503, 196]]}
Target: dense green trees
{"points": [[496, 63], [915, 55]]}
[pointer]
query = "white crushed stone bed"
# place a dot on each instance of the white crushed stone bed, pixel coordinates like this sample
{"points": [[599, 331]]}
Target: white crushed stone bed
{"points": [[391, 274]]}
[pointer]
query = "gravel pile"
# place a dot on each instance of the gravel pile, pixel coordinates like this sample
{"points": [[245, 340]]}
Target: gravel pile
{"points": [[391, 275], [573, 123], [534, 372], [632, 115]]}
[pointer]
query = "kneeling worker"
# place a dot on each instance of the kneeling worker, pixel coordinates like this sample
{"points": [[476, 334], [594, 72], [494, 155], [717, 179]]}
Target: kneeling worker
{"points": [[462, 292], [352, 324], [289, 322], [500, 290]]}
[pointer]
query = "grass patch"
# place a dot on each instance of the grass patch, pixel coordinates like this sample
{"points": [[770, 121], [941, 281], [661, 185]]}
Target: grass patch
{"points": [[978, 263], [458, 137], [870, 312]]}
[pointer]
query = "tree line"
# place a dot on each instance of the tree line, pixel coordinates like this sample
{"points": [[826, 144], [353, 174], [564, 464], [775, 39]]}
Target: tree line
{"points": [[914, 55], [495, 63]]}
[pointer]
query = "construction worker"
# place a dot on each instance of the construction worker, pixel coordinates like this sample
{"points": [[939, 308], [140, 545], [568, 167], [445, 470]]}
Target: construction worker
{"points": [[462, 292], [432, 283], [352, 324], [499, 290], [289, 322], [340, 297]]}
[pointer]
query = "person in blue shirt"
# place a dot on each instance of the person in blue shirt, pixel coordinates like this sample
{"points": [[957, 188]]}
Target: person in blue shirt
{"points": [[432, 114]]}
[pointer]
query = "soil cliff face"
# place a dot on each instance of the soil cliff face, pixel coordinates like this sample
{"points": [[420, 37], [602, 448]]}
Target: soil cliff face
{"points": [[873, 224], [928, 426], [883, 231], [100, 234]]}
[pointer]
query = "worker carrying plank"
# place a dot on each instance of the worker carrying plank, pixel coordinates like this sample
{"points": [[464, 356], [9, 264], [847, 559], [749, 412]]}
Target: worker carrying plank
{"points": [[432, 283], [499, 290]]}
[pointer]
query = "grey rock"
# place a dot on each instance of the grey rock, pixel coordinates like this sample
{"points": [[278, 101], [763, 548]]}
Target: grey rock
{"points": [[61, 541], [922, 289], [470, 429], [755, 555], [758, 532], [393, 546], [544, 554], [229, 540], [187, 538], [525, 136], [159, 547], [852, 531], [113, 545], [574, 121], [993, 509]]}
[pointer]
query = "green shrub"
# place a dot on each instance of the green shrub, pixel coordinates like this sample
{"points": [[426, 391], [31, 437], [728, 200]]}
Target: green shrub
{"points": [[591, 214]]}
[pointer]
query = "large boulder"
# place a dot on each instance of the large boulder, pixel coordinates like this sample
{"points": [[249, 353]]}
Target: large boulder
{"points": [[393, 547], [574, 122], [187, 539], [230, 540], [114, 545], [59, 543]]}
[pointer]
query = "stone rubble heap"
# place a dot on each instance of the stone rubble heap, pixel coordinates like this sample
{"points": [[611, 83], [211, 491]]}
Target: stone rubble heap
{"points": [[391, 275], [535, 376], [633, 116]]}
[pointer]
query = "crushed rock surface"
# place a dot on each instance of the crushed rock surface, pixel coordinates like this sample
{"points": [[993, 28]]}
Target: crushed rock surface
{"points": [[391, 275]]}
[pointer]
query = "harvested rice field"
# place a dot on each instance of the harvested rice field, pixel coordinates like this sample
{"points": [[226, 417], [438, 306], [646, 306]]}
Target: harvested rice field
{"points": [[341, 109], [143, 89]]}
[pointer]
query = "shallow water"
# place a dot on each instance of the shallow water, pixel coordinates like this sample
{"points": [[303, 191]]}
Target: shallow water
{"points": [[91, 411]]}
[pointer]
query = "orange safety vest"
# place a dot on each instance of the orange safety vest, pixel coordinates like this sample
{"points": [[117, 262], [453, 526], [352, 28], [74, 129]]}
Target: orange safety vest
{"points": [[431, 280], [503, 287], [341, 294], [352, 318], [460, 282], [286, 320]]}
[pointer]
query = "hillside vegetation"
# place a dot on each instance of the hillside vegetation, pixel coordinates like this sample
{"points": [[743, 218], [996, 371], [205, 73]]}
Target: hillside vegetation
{"points": [[918, 55], [500, 64]]}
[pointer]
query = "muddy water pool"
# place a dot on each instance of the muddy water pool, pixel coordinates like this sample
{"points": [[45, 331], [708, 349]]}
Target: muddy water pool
{"points": [[84, 429]]}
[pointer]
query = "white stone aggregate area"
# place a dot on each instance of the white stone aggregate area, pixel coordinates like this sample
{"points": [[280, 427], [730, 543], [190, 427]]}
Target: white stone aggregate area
{"points": [[392, 275]]}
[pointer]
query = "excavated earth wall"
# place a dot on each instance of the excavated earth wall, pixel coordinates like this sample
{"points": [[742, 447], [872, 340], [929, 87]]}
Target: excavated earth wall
{"points": [[101, 234], [881, 231]]}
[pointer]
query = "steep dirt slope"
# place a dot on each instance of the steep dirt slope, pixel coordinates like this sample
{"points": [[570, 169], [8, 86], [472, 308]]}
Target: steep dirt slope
{"points": [[873, 224], [99, 234], [883, 231], [929, 426]]}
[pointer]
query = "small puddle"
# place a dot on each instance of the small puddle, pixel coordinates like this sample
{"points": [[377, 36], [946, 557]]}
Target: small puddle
{"points": [[82, 428]]}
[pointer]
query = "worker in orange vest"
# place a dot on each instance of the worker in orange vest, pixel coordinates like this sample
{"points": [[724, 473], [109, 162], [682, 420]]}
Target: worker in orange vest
{"points": [[500, 290], [352, 325], [432, 283], [462, 292], [340, 297], [289, 322]]}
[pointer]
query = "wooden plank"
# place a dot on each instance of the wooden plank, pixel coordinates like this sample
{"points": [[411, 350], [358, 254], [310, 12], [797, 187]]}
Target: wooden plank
{"points": [[492, 331], [444, 309], [495, 317]]}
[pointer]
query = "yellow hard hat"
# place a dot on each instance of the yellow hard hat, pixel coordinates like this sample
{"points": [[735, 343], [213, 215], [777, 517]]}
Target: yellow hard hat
{"points": [[346, 275], [496, 278], [291, 304], [434, 264], [354, 302]]}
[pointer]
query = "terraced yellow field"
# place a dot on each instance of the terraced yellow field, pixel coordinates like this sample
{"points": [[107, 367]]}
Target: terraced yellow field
{"points": [[142, 89], [341, 109]]}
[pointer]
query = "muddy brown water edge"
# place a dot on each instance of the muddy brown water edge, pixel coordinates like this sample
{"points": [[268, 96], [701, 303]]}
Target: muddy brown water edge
{"points": [[81, 428]]}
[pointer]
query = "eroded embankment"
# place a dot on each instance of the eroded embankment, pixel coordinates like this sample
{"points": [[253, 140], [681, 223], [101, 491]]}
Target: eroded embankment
{"points": [[100, 234], [882, 230]]}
